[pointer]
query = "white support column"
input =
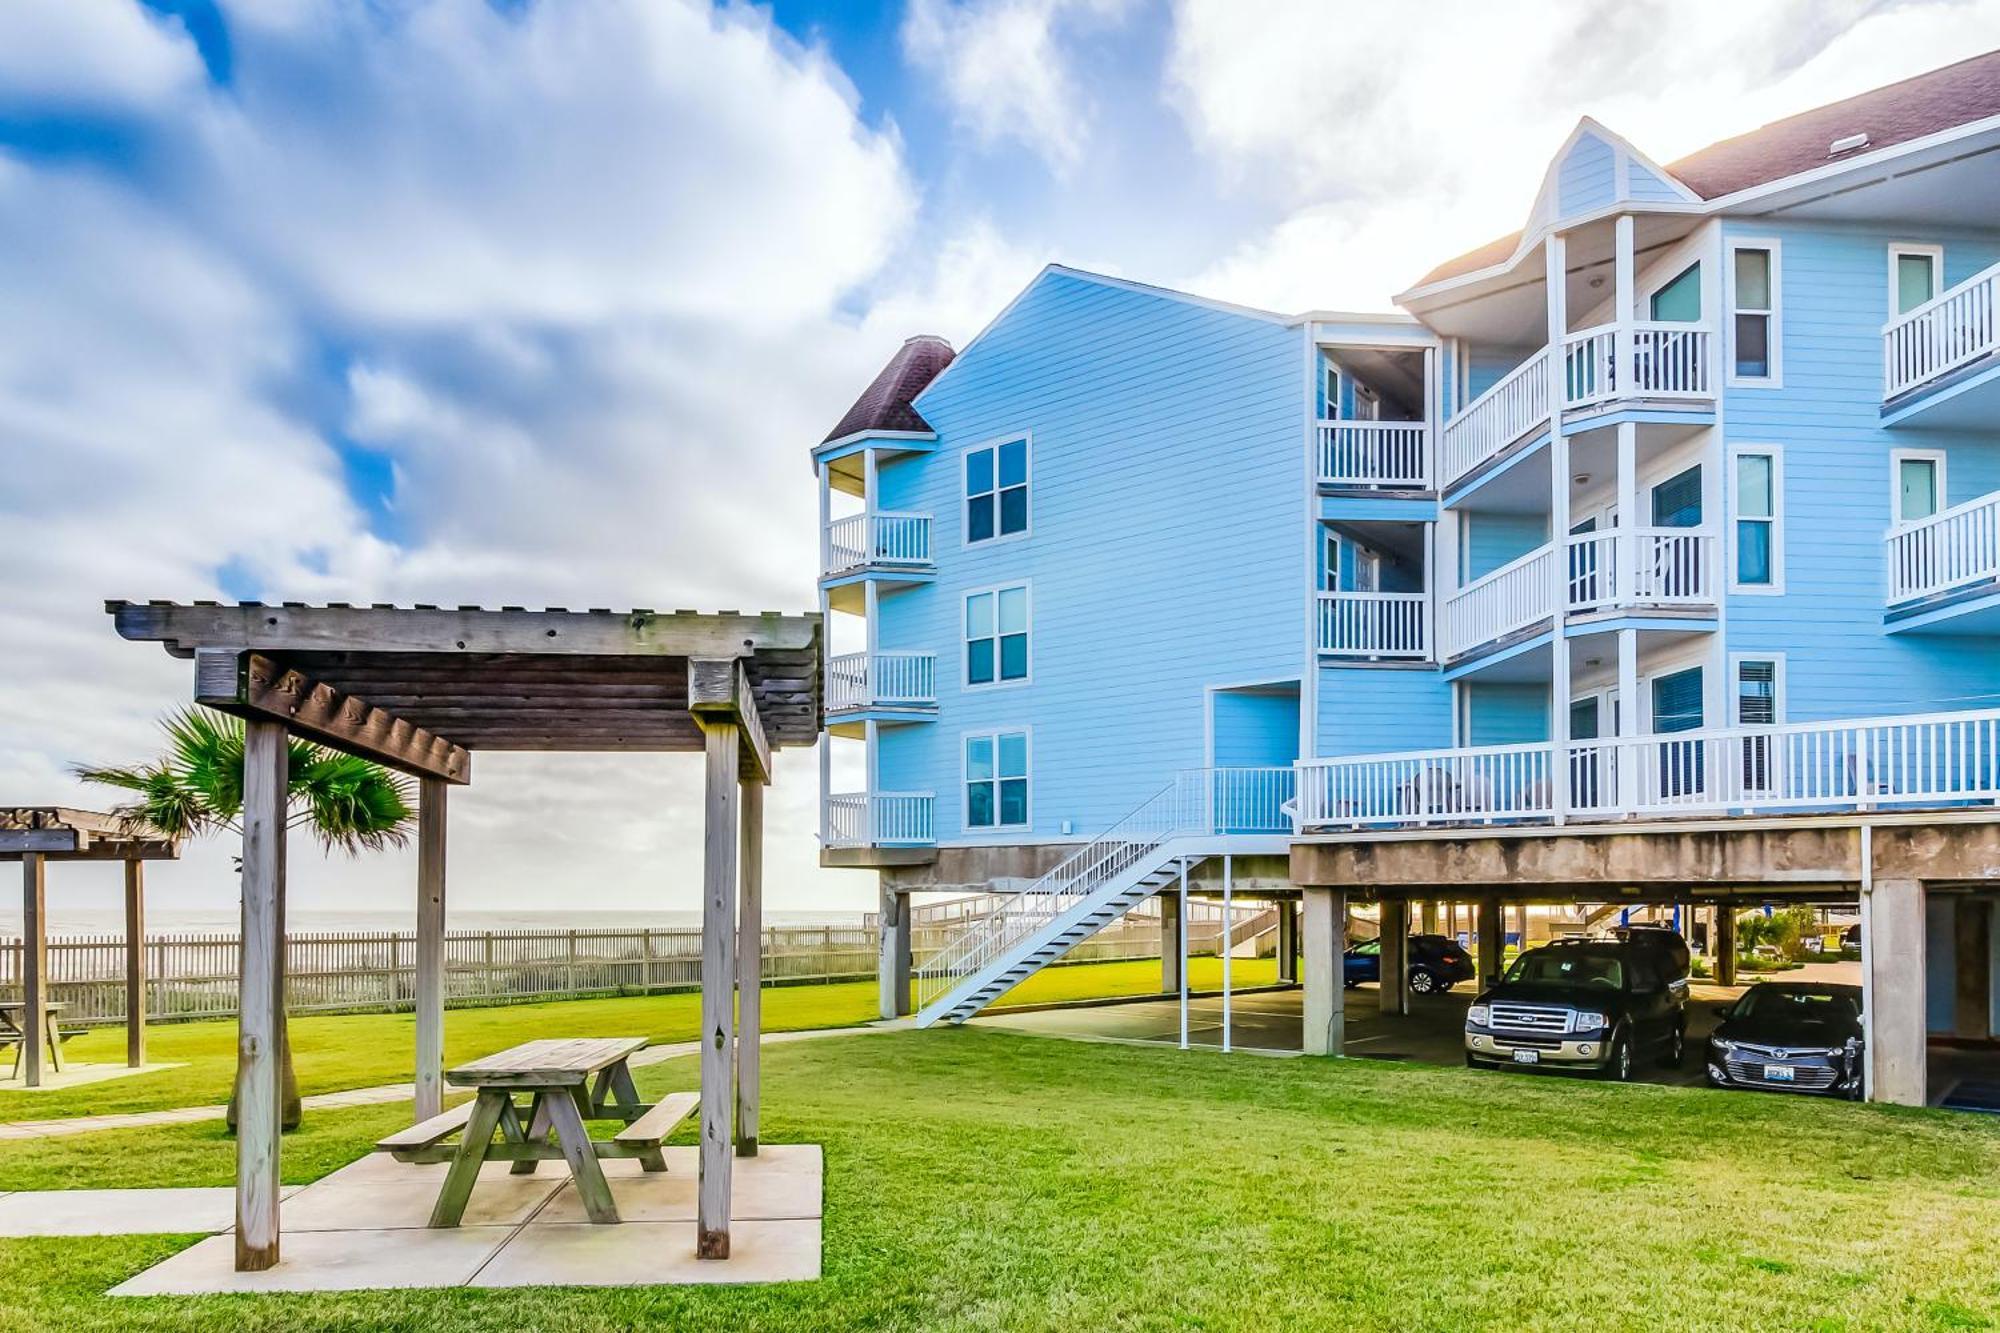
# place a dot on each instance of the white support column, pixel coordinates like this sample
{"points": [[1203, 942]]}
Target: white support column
{"points": [[892, 965], [1182, 969], [1623, 308], [1556, 274], [1627, 772], [1228, 941], [825, 522], [1895, 966], [135, 964], [1325, 971], [430, 947], [718, 989], [34, 965], [261, 995], [871, 731], [749, 967]]}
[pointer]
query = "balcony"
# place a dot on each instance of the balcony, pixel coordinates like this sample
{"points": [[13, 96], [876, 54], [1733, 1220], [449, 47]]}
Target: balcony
{"points": [[1954, 551], [1380, 625], [1945, 351], [860, 682], [1673, 569], [880, 819], [1671, 362], [880, 541], [1375, 454], [1933, 759]]}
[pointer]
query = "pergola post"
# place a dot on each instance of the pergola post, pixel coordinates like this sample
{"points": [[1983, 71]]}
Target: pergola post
{"points": [[261, 1004], [430, 947], [749, 965], [34, 966], [135, 963], [718, 918]]}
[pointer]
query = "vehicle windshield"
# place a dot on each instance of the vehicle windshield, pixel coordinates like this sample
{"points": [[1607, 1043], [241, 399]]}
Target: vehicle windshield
{"points": [[1569, 967], [1774, 1002]]}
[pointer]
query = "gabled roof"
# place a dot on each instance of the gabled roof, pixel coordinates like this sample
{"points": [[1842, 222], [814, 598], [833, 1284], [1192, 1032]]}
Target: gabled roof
{"points": [[885, 404]]}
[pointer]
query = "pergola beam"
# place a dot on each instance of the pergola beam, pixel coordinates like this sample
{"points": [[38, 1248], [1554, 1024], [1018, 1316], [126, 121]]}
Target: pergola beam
{"points": [[719, 691], [250, 684]]}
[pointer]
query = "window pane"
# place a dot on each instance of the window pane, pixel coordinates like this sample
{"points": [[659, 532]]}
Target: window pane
{"points": [[1756, 693], [979, 616], [979, 518], [1677, 701], [1014, 657], [1014, 509], [1917, 495], [1679, 301], [1014, 801], [1753, 551], [978, 757], [1014, 754], [978, 471], [979, 805], [1753, 279], [979, 662], [1013, 610], [1753, 485], [1915, 282], [1753, 346], [1014, 463], [1677, 500]]}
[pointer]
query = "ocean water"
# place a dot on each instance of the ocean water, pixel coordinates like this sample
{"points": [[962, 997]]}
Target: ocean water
{"points": [[224, 921]]}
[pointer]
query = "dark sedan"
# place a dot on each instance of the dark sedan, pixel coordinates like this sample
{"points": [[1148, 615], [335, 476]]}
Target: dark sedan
{"points": [[1437, 963], [1790, 1037]]}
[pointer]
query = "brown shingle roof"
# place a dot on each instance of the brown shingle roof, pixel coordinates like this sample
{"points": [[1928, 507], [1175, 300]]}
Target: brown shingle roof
{"points": [[1898, 113], [885, 403]]}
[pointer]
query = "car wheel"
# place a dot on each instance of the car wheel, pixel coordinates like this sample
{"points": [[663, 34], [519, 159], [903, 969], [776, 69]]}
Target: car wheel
{"points": [[1421, 981], [1618, 1066], [1677, 1049], [1471, 1060]]}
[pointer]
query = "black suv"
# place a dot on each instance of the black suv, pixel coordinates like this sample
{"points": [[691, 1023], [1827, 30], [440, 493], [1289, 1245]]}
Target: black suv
{"points": [[1596, 1005]]}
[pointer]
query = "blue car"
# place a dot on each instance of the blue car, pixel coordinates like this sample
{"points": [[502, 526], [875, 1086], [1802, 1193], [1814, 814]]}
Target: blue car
{"points": [[1436, 963]]}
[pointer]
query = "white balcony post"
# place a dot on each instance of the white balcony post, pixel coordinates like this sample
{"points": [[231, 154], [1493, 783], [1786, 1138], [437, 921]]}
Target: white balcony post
{"points": [[872, 731], [1557, 278], [871, 597], [870, 499], [1626, 756], [1625, 559], [825, 529], [1624, 310]]}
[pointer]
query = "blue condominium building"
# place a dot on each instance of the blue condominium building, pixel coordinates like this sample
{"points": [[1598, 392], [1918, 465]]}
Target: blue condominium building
{"points": [[1648, 554]]}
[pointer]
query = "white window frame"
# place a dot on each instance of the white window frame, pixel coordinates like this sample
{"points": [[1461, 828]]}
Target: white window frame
{"points": [[1330, 561], [965, 640], [1776, 342], [1935, 253], [1776, 453], [1777, 661], [1898, 457], [965, 540], [994, 733]]}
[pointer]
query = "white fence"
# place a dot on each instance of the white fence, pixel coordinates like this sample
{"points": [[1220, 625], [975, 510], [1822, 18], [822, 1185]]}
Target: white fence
{"points": [[1375, 624], [860, 540], [1496, 418], [859, 819], [195, 976], [1374, 453], [1950, 330], [855, 680], [1427, 786], [1497, 604], [1674, 567], [1950, 549]]}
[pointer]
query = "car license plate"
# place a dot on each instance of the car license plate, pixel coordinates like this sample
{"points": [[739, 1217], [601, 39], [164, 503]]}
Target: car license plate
{"points": [[1777, 1073], [1527, 1057]]}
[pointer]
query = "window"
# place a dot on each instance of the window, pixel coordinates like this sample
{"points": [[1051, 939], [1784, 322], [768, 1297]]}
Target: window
{"points": [[1677, 707], [996, 491], [1758, 702], [996, 780], [1329, 573], [1329, 390], [1915, 276], [1679, 302], [996, 635], [1677, 500], [1753, 305], [1756, 558], [1918, 478]]}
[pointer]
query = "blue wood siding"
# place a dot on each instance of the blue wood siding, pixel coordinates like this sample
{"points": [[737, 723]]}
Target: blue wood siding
{"points": [[1486, 366], [1492, 540], [1506, 713], [1369, 711], [1587, 178], [1256, 728], [1165, 550], [1643, 186]]}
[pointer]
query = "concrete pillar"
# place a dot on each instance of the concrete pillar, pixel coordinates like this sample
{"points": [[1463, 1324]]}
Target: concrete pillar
{"points": [[1725, 944], [1430, 916], [1394, 993], [1288, 942], [1170, 943], [1892, 968], [1325, 944], [892, 966], [1491, 939]]}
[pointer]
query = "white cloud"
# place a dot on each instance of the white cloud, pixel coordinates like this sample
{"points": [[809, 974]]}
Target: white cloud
{"points": [[94, 55]]}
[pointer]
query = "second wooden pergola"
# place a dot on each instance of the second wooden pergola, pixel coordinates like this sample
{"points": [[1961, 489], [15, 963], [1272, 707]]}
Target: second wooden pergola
{"points": [[419, 689]]}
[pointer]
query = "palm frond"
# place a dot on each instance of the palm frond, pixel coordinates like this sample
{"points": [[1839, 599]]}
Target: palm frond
{"points": [[354, 805], [166, 803], [206, 747]]}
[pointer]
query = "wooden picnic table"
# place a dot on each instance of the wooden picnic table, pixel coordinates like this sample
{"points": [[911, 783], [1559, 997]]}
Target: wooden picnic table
{"points": [[15, 1031], [569, 1082]]}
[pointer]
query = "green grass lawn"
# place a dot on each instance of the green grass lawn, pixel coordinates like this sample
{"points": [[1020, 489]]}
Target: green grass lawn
{"points": [[332, 1053], [979, 1179]]}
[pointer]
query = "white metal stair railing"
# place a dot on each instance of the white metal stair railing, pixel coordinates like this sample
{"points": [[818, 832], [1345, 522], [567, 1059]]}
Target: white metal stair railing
{"points": [[1099, 883], [1952, 329]]}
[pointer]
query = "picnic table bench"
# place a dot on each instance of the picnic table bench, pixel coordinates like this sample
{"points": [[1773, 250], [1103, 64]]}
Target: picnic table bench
{"points": [[14, 1031], [569, 1082]]}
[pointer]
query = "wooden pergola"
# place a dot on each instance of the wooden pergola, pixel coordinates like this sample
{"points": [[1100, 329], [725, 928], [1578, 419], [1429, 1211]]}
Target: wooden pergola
{"points": [[34, 836], [419, 689]]}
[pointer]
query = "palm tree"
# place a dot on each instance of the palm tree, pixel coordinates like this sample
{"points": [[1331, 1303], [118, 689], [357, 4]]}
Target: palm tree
{"points": [[196, 788]]}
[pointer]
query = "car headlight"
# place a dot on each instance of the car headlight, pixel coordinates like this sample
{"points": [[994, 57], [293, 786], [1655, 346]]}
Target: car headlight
{"points": [[1590, 1021], [1723, 1044], [1478, 1015]]}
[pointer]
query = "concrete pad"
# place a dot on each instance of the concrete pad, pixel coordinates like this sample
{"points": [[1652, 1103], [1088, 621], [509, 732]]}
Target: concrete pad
{"points": [[501, 1200], [381, 1167], [771, 1157], [669, 1196], [76, 1076], [327, 1261], [653, 1253], [117, 1212]]}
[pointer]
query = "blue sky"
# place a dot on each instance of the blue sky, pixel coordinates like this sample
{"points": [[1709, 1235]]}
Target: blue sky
{"points": [[454, 301]]}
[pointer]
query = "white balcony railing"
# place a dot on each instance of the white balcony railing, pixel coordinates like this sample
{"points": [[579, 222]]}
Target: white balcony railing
{"points": [[1930, 759], [859, 541], [1374, 453], [1952, 329], [1953, 548], [1375, 624], [894, 680], [881, 819], [1511, 598], [1672, 567], [1495, 419]]}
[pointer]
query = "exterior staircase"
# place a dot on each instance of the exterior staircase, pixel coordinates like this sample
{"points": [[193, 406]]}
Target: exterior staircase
{"points": [[1203, 812]]}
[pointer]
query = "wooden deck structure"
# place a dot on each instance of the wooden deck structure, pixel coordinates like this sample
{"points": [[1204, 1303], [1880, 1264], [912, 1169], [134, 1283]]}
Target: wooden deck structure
{"points": [[419, 689], [36, 835]]}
